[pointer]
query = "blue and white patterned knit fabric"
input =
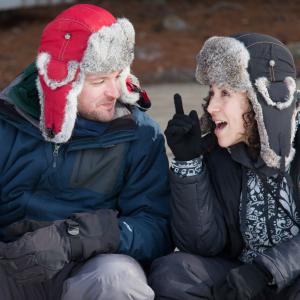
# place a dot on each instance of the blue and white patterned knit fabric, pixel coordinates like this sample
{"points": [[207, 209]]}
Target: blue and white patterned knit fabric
{"points": [[282, 218], [280, 221]]}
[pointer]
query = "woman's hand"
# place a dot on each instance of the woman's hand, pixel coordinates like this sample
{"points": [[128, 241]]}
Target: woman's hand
{"points": [[183, 134]]}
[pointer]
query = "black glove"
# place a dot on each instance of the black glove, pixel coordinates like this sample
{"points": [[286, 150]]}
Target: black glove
{"points": [[38, 255], [183, 134], [242, 283]]}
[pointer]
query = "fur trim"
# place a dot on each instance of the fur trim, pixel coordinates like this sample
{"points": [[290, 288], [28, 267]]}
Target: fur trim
{"points": [[126, 95], [41, 99], [267, 154], [110, 49], [70, 113], [224, 61], [42, 63], [262, 85]]}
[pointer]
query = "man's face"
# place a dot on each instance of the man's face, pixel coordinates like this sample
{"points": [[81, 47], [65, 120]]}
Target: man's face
{"points": [[98, 97]]}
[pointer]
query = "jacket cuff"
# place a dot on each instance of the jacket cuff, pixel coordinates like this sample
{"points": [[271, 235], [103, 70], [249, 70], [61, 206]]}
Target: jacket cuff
{"points": [[92, 233], [187, 168]]}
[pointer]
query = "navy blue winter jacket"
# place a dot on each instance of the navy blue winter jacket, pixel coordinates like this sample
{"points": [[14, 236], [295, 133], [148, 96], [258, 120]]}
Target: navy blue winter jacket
{"points": [[120, 165]]}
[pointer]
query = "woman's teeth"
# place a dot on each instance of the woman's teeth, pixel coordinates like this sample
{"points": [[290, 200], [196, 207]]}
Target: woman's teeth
{"points": [[221, 125]]}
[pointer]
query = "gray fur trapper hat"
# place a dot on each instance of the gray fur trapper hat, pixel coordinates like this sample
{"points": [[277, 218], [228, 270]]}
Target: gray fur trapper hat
{"points": [[264, 68]]}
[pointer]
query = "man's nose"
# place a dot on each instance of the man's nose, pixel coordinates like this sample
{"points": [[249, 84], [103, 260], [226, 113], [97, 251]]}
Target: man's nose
{"points": [[113, 89]]}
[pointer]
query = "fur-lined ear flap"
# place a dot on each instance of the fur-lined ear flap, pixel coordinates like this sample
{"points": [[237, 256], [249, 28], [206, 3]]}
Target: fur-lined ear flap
{"points": [[127, 95]]}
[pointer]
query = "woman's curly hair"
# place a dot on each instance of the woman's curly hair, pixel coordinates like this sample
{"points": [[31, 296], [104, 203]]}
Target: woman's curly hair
{"points": [[250, 125]]}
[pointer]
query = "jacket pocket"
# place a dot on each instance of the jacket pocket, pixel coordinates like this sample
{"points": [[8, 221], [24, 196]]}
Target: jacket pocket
{"points": [[98, 169]]}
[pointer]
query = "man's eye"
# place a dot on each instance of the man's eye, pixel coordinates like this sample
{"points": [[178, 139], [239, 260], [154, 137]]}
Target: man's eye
{"points": [[97, 82]]}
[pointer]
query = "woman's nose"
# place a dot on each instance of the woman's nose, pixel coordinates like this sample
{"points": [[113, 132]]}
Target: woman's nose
{"points": [[213, 105]]}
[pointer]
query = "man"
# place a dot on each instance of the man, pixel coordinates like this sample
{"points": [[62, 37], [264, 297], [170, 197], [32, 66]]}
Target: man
{"points": [[84, 190]]}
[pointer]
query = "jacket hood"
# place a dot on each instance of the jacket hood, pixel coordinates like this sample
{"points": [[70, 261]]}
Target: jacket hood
{"points": [[22, 92]]}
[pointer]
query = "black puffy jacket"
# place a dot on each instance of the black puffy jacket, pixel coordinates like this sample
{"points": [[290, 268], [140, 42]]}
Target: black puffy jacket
{"points": [[205, 215]]}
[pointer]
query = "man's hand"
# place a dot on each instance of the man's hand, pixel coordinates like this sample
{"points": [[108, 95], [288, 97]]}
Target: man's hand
{"points": [[38, 255], [183, 134], [242, 283]]}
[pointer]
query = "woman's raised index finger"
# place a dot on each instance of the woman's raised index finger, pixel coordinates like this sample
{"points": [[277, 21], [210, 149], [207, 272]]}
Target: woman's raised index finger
{"points": [[178, 104]]}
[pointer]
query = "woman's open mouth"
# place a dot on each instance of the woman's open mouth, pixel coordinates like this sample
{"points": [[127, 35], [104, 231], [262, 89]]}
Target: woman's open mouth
{"points": [[220, 125]]}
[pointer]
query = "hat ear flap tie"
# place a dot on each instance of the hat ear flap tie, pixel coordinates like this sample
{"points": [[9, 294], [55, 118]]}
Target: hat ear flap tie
{"points": [[283, 154]]}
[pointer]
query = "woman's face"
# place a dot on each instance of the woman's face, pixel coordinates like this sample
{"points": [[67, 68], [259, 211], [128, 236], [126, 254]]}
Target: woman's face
{"points": [[227, 108]]}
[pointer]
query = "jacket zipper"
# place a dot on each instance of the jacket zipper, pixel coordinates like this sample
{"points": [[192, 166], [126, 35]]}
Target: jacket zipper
{"points": [[55, 155]]}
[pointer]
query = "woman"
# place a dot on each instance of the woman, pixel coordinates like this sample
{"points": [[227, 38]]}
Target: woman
{"points": [[235, 206]]}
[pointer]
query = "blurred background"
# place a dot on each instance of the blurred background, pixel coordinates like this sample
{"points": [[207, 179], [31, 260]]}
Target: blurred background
{"points": [[169, 33]]}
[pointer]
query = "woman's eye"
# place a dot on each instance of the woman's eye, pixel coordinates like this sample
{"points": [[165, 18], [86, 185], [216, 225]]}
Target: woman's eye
{"points": [[225, 93], [210, 94]]}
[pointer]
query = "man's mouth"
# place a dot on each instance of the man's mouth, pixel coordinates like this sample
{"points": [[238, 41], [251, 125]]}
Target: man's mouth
{"points": [[108, 106]]}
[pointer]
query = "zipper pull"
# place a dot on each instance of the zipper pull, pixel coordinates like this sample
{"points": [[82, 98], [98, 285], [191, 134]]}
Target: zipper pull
{"points": [[55, 154]]}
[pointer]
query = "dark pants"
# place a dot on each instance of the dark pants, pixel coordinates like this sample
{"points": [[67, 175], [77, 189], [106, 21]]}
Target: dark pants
{"points": [[183, 276]]}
